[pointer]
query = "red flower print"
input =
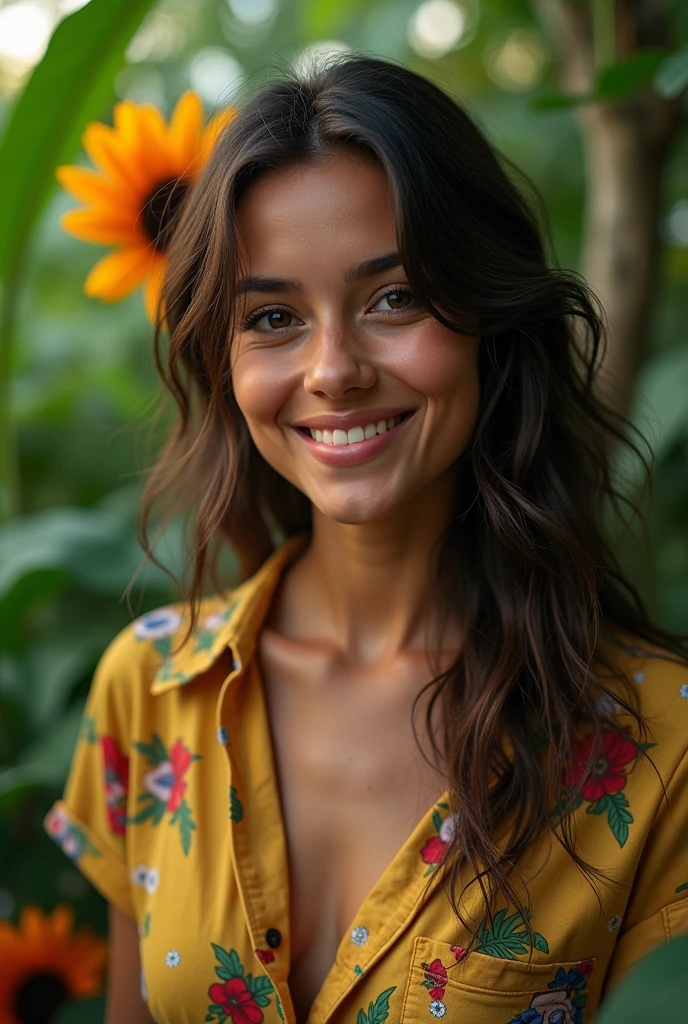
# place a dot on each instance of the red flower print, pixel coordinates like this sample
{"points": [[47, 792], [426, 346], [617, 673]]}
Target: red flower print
{"points": [[434, 850], [180, 760], [436, 976], [266, 956], [587, 966], [236, 1001], [459, 952], [116, 770], [609, 771]]}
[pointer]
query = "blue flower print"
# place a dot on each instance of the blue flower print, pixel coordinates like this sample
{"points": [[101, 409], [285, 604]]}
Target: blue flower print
{"points": [[437, 1008], [222, 736], [684, 691], [157, 624]]}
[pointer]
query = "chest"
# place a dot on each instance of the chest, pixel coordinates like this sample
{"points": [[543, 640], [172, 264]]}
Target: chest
{"points": [[353, 785]]}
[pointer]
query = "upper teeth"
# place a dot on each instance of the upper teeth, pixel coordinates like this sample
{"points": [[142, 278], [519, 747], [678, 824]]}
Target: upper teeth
{"points": [[356, 433]]}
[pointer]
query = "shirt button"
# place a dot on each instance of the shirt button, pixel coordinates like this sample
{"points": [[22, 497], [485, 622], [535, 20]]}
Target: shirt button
{"points": [[273, 937], [359, 935]]}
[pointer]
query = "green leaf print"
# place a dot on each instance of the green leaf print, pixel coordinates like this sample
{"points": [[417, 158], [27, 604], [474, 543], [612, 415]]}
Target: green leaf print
{"points": [[155, 752], [508, 937], [236, 811], [378, 1011], [88, 729], [229, 960], [154, 809], [681, 888], [278, 1007], [182, 816], [437, 820], [260, 988], [619, 817]]}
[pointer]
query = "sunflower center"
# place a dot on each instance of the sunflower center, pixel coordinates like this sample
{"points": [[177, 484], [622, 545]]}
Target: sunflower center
{"points": [[161, 211], [39, 997]]}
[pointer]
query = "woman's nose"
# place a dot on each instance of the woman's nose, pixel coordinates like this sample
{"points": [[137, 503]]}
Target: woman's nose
{"points": [[336, 361]]}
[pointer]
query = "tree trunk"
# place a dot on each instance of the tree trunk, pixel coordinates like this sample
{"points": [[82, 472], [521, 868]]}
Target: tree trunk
{"points": [[626, 147]]}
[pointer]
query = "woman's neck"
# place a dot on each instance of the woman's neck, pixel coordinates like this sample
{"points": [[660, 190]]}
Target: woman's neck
{"points": [[364, 588]]}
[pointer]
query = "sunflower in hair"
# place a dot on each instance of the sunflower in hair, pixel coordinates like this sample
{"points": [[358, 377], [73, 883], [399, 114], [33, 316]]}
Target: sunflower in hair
{"points": [[144, 167], [44, 963]]}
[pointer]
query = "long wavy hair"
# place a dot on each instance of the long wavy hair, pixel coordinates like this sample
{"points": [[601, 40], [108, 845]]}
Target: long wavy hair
{"points": [[523, 563]]}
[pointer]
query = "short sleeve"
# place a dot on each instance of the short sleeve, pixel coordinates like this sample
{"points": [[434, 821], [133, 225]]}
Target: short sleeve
{"points": [[89, 822], [657, 909]]}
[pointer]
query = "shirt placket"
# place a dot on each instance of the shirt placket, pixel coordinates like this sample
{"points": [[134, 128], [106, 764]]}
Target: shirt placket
{"points": [[383, 918], [258, 836]]}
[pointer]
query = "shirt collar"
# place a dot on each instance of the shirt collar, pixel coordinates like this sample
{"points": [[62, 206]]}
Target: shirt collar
{"points": [[232, 622]]}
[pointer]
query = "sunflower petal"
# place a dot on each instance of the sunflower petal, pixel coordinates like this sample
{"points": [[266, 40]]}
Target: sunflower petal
{"points": [[185, 130], [103, 227], [61, 921], [118, 274], [116, 157], [214, 129], [144, 138], [154, 286], [89, 187]]}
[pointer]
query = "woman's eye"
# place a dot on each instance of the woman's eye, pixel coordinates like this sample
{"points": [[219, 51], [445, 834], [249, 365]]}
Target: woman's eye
{"points": [[270, 320], [396, 300]]}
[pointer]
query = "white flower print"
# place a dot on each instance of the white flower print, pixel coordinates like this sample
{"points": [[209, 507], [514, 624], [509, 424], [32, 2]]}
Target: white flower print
{"points": [[71, 846], [606, 705], [684, 691], [214, 621], [139, 875], [157, 624], [613, 922], [448, 828], [172, 959], [152, 880], [159, 780], [144, 989], [437, 1008], [638, 676], [58, 824], [359, 935]]}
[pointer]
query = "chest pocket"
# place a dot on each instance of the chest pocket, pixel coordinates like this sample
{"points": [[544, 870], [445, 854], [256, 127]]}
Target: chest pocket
{"points": [[475, 988]]}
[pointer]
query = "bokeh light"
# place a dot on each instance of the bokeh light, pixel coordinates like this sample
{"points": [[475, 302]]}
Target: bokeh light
{"points": [[519, 61], [676, 225], [160, 37], [25, 29], [253, 12], [215, 75], [437, 27], [311, 57]]}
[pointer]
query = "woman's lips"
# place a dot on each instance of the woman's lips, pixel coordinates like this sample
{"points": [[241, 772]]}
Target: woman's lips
{"points": [[353, 454]]}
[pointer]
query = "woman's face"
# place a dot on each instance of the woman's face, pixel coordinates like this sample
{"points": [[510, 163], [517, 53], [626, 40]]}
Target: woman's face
{"points": [[332, 339]]}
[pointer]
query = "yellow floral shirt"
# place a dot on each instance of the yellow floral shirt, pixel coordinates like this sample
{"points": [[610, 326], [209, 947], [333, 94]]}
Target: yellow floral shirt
{"points": [[172, 810]]}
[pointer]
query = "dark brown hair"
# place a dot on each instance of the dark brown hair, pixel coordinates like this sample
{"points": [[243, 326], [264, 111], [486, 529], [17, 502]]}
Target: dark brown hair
{"points": [[523, 563]]}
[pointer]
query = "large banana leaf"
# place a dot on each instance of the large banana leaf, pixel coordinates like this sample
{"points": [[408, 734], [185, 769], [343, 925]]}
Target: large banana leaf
{"points": [[72, 84]]}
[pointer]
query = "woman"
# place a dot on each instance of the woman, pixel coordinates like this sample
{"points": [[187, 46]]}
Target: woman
{"points": [[454, 739]]}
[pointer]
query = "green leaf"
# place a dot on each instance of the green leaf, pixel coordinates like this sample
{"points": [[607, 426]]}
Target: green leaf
{"points": [[380, 1011], [183, 817], [223, 973], [672, 74], [150, 811], [45, 761], [681, 888], [262, 985], [540, 943], [437, 820], [445, 807], [236, 811], [155, 752], [619, 817], [599, 806], [71, 85], [278, 1007], [623, 78]]}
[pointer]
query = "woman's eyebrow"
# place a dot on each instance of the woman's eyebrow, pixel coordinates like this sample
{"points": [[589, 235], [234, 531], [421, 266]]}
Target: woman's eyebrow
{"points": [[256, 283]]}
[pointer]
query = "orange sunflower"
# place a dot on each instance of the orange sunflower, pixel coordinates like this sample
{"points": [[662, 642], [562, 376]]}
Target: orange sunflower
{"points": [[45, 963], [144, 169]]}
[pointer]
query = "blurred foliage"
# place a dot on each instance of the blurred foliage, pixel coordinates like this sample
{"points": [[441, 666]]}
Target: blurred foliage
{"points": [[81, 377]]}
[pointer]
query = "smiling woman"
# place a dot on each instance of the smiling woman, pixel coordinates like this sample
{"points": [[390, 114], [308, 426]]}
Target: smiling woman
{"points": [[387, 408]]}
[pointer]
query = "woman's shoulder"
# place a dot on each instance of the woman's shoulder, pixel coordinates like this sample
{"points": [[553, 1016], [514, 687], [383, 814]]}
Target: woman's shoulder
{"points": [[656, 681]]}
